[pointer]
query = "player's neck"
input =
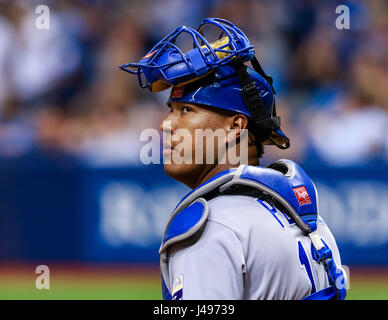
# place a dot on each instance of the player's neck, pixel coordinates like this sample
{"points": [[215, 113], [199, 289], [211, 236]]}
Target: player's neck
{"points": [[206, 175], [218, 168], [210, 171]]}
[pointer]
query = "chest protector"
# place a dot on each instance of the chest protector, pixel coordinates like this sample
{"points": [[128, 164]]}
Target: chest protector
{"points": [[286, 185]]}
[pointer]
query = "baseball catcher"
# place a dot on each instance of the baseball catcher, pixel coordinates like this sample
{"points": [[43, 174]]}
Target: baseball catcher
{"points": [[243, 231]]}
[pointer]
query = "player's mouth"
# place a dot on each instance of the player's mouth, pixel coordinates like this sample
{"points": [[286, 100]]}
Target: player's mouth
{"points": [[167, 149]]}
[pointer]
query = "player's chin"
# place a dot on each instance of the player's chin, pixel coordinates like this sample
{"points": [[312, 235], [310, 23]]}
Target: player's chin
{"points": [[180, 171]]}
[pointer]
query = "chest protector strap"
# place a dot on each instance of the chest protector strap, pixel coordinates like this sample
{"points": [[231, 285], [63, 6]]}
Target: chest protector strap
{"points": [[286, 184]]}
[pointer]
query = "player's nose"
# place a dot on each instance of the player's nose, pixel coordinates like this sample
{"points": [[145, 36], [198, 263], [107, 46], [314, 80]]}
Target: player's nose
{"points": [[169, 124]]}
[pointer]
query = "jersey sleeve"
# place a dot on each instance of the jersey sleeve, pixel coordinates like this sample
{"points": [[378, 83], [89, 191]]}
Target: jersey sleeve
{"points": [[211, 267]]}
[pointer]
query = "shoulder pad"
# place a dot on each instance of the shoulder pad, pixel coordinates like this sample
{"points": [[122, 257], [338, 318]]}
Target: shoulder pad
{"points": [[286, 182], [303, 189], [183, 224]]}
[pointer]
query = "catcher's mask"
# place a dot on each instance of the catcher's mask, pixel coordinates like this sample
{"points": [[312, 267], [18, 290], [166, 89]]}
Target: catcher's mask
{"points": [[214, 74]]}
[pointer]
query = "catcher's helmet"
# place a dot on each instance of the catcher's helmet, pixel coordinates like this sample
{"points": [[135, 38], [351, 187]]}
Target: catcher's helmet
{"points": [[214, 74]]}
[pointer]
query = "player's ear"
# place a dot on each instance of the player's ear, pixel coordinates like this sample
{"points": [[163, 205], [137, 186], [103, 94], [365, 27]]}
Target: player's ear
{"points": [[237, 123]]}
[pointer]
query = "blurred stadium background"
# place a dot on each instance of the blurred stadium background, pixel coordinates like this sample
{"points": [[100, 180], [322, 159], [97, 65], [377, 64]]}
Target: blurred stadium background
{"points": [[73, 193]]}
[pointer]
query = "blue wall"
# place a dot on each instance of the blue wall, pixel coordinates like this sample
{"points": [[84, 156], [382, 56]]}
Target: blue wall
{"points": [[60, 210]]}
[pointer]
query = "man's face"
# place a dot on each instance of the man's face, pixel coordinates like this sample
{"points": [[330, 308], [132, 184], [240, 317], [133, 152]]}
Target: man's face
{"points": [[184, 149]]}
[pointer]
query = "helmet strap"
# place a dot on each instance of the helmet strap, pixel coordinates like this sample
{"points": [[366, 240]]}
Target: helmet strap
{"points": [[256, 65], [262, 121]]}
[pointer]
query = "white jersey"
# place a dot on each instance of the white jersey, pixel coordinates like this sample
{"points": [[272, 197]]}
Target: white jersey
{"points": [[247, 249]]}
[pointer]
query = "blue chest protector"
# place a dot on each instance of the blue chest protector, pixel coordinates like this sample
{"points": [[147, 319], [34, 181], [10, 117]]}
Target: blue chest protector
{"points": [[287, 185]]}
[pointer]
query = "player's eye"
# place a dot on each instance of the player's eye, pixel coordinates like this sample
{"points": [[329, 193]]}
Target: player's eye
{"points": [[186, 109]]}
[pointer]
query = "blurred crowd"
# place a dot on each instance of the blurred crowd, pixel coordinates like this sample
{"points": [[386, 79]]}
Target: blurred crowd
{"points": [[61, 91]]}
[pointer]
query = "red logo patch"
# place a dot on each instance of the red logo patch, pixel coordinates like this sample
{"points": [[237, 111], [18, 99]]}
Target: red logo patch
{"points": [[302, 195], [177, 92]]}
